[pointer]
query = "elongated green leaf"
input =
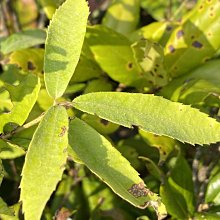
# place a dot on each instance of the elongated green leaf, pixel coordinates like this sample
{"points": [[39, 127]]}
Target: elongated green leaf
{"points": [[22, 40], [106, 162], [44, 162], [177, 192], [197, 37], [9, 150], [212, 192], [152, 113], [63, 45], [23, 98], [122, 16]]}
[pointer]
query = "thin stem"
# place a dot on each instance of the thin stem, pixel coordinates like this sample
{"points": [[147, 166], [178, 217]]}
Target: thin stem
{"points": [[25, 126]]}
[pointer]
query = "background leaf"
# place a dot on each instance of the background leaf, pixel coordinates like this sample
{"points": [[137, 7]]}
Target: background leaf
{"points": [[22, 40], [67, 27], [122, 15], [23, 98], [44, 162], [152, 113]]}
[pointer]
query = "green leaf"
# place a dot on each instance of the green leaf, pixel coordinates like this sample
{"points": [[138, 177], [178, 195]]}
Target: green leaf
{"points": [[9, 150], [108, 164], [49, 6], [113, 53], [207, 216], [29, 60], [23, 98], [1, 172], [152, 113], [122, 16], [22, 40], [174, 202], [183, 184], [197, 37], [165, 145], [67, 27], [196, 86], [44, 162], [177, 192], [4, 208], [149, 57], [156, 31], [213, 190]]}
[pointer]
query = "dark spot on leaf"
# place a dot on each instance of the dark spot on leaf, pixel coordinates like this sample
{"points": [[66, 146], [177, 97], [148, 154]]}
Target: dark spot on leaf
{"points": [[164, 153], [169, 28], [171, 48], [155, 135], [130, 65], [180, 109], [151, 82], [192, 37], [209, 34], [160, 76], [30, 66], [175, 67], [155, 69], [63, 131], [201, 7], [151, 72], [65, 150], [138, 190], [197, 44], [212, 8], [179, 34], [104, 122], [157, 65], [211, 14]]}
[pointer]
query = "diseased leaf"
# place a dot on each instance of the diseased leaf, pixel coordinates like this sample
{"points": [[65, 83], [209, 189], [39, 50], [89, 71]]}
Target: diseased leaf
{"points": [[156, 31], [23, 98], [106, 162], [29, 60], [122, 16], [67, 27], [152, 113], [113, 53], [149, 57], [9, 150], [197, 37], [22, 40], [44, 162]]}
